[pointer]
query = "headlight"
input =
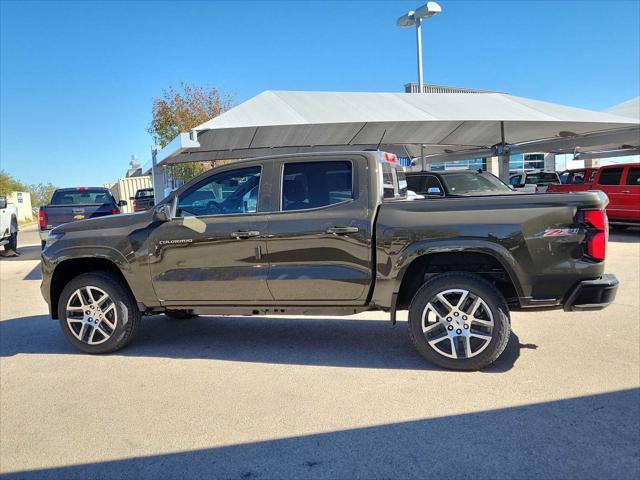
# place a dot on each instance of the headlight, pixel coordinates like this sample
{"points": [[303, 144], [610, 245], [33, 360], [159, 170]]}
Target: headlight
{"points": [[53, 238]]}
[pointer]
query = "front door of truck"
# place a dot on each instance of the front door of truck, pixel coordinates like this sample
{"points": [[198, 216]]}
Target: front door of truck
{"points": [[320, 238], [214, 248]]}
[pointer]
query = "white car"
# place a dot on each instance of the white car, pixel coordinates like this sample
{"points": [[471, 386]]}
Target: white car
{"points": [[533, 181], [8, 225]]}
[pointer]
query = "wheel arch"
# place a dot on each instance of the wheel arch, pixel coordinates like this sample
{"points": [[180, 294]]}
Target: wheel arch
{"points": [[69, 269], [484, 262]]}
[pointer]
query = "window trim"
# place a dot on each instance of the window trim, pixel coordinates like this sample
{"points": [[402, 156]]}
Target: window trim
{"points": [[281, 190], [216, 215]]}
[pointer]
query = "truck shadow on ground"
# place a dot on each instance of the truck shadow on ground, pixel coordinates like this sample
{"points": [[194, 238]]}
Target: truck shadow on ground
{"points": [[297, 341], [594, 436], [29, 252], [632, 235]]}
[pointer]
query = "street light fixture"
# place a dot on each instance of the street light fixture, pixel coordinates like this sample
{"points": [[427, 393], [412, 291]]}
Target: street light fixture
{"points": [[412, 18]]}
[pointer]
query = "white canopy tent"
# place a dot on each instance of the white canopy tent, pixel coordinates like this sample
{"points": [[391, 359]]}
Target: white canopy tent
{"points": [[455, 124]]}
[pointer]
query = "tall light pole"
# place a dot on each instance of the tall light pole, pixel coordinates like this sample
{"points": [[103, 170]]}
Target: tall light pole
{"points": [[415, 17]]}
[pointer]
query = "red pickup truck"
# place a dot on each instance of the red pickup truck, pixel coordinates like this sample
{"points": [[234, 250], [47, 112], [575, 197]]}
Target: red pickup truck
{"points": [[620, 182]]}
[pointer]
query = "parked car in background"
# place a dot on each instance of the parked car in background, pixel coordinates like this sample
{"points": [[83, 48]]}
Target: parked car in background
{"points": [[143, 200], [8, 225], [575, 180], [533, 181], [72, 204], [331, 234], [621, 183], [456, 183]]}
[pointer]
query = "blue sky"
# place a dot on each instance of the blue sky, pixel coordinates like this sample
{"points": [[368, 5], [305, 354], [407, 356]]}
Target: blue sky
{"points": [[78, 78]]}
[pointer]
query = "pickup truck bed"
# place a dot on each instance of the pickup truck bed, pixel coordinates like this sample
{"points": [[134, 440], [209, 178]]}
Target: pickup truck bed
{"points": [[331, 233]]}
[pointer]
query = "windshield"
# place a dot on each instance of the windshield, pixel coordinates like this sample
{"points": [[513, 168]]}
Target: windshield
{"points": [[472, 183], [542, 178], [88, 196]]}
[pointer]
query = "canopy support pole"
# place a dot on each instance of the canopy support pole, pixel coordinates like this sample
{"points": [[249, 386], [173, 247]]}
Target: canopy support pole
{"points": [[503, 166], [157, 178]]}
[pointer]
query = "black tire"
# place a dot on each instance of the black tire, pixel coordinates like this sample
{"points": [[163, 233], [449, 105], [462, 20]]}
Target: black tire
{"points": [[179, 314], [13, 239], [476, 286], [128, 314]]}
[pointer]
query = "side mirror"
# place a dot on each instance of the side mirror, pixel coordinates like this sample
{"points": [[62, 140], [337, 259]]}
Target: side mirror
{"points": [[162, 213], [3, 202], [122, 203], [434, 191]]}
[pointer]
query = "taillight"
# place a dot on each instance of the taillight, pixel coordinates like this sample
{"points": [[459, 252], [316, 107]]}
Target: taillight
{"points": [[390, 157], [115, 211], [598, 235], [42, 219]]}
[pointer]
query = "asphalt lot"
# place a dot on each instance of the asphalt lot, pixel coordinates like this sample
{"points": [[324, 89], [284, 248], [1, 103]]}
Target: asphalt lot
{"points": [[293, 397]]}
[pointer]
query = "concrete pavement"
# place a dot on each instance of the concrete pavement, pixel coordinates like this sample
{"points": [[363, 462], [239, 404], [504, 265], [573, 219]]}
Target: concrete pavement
{"points": [[344, 397]]}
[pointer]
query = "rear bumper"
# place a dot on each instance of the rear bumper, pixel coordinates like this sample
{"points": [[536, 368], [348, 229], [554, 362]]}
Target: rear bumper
{"points": [[592, 294]]}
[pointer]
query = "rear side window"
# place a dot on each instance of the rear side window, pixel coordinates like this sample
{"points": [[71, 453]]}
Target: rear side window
{"points": [[89, 196], [316, 184], [610, 176], [633, 177]]}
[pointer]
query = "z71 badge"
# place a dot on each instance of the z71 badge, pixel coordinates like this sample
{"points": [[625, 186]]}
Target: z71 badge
{"points": [[560, 232]]}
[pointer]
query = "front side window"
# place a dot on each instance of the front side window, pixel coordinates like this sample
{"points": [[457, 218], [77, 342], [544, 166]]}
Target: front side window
{"points": [[231, 192], [610, 176], [308, 185]]}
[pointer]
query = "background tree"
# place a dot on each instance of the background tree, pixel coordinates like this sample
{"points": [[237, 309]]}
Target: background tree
{"points": [[41, 193], [180, 110], [9, 184]]}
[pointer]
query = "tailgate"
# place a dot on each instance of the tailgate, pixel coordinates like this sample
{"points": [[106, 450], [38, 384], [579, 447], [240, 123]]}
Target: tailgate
{"points": [[59, 214]]}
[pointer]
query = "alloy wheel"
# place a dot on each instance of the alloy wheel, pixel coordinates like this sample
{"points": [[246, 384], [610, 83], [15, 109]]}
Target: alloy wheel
{"points": [[91, 315], [457, 323]]}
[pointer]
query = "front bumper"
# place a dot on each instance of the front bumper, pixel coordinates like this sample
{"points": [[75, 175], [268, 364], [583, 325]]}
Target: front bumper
{"points": [[43, 234], [592, 294]]}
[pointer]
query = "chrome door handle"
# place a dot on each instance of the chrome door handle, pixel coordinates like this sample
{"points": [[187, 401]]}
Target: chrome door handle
{"points": [[625, 191], [342, 230], [244, 234]]}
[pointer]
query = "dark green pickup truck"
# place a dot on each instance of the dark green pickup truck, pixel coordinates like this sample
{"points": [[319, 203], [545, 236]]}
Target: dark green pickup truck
{"points": [[331, 234]]}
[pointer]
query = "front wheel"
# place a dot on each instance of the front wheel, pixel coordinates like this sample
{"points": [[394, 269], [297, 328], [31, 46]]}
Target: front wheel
{"points": [[97, 313], [459, 321]]}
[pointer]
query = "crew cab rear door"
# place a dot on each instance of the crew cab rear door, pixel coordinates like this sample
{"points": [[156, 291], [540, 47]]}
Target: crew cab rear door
{"points": [[212, 251], [319, 240]]}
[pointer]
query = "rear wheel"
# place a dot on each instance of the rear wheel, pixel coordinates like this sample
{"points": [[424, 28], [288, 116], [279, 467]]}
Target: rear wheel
{"points": [[97, 313], [459, 321], [12, 245]]}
